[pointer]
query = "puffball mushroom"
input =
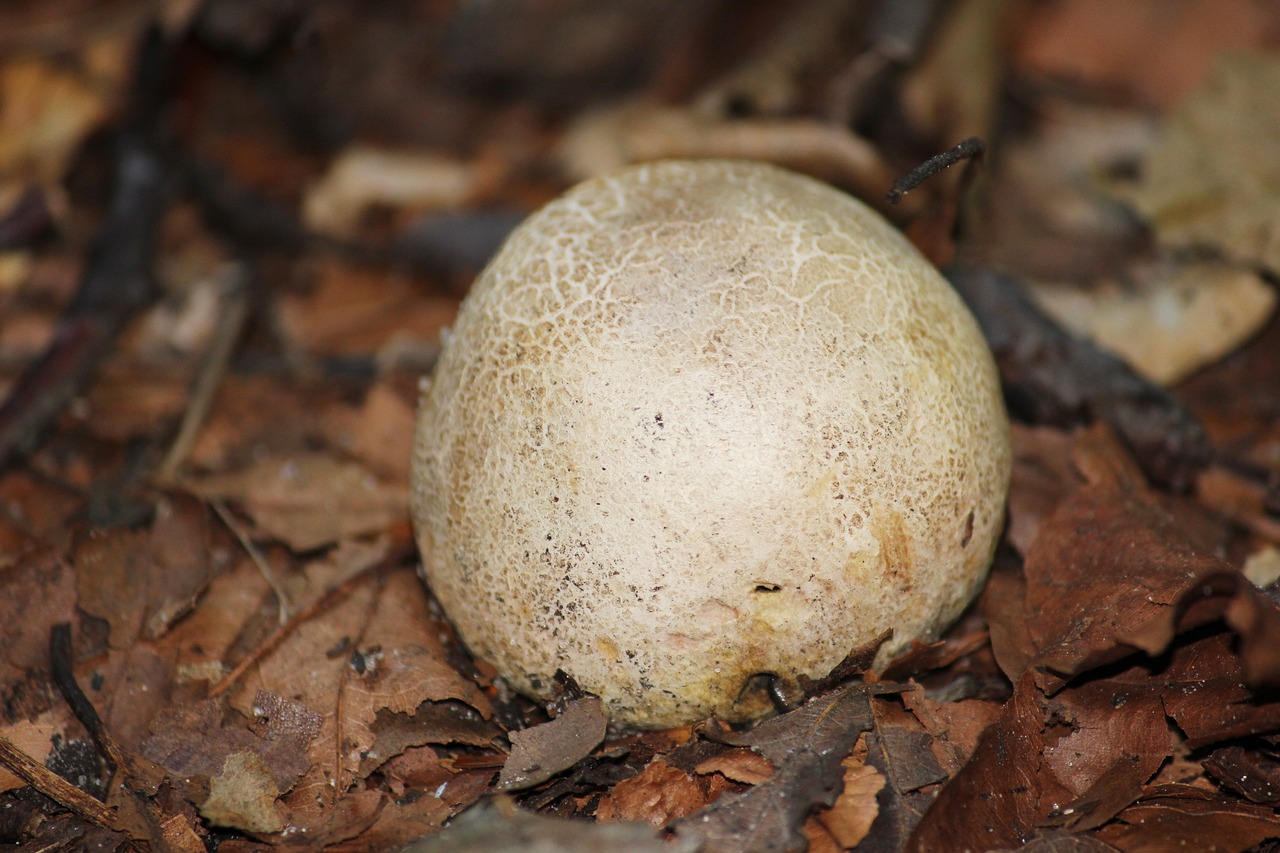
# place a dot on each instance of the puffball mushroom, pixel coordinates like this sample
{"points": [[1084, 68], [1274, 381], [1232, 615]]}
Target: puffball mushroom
{"points": [[699, 421]]}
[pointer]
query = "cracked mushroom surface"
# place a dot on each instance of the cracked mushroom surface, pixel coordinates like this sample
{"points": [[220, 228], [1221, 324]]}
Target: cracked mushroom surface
{"points": [[702, 420]]}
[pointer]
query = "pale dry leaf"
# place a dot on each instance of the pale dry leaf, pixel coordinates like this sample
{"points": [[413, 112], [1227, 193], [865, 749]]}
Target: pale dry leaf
{"points": [[363, 177], [1214, 179], [1262, 567], [1172, 323], [46, 110], [243, 795], [606, 139], [35, 738]]}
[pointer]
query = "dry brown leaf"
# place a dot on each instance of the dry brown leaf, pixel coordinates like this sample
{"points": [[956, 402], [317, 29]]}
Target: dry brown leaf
{"points": [[541, 752], [807, 746], [40, 592], [1149, 49], [141, 581], [301, 670], [379, 433], [855, 810], [1042, 476], [1171, 817], [404, 667], [738, 764], [355, 311], [1142, 565], [998, 798], [308, 500], [658, 796]]}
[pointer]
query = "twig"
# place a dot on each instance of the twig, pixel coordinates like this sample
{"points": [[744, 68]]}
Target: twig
{"points": [[970, 150], [54, 786], [256, 556], [117, 280], [60, 656], [231, 319], [895, 32]]}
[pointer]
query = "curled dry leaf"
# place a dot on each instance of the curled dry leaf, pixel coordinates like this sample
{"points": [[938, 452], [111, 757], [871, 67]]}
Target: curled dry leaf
{"points": [[659, 795], [608, 139], [1142, 565], [362, 177], [1170, 814]]}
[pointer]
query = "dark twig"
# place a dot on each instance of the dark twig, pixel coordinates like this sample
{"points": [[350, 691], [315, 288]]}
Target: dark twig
{"points": [[970, 150], [117, 282], [1051, 376], [60, 655]]}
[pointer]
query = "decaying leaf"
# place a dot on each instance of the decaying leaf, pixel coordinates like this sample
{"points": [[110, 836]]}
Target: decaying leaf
{"points": [[499, 827], [659, 795], [243, 795], [1212, 181], [808, 746], [541, 752], [1171, 322], [309, 500]]}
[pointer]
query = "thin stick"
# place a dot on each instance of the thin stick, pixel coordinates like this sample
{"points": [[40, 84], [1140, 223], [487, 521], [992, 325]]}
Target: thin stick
{"points": [[255, 555], [54, 786], [60, 656], [970, 149], [231, 320]]}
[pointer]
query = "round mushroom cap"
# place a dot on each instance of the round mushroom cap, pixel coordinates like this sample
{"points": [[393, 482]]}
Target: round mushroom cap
{"points": [[700, 421]]}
